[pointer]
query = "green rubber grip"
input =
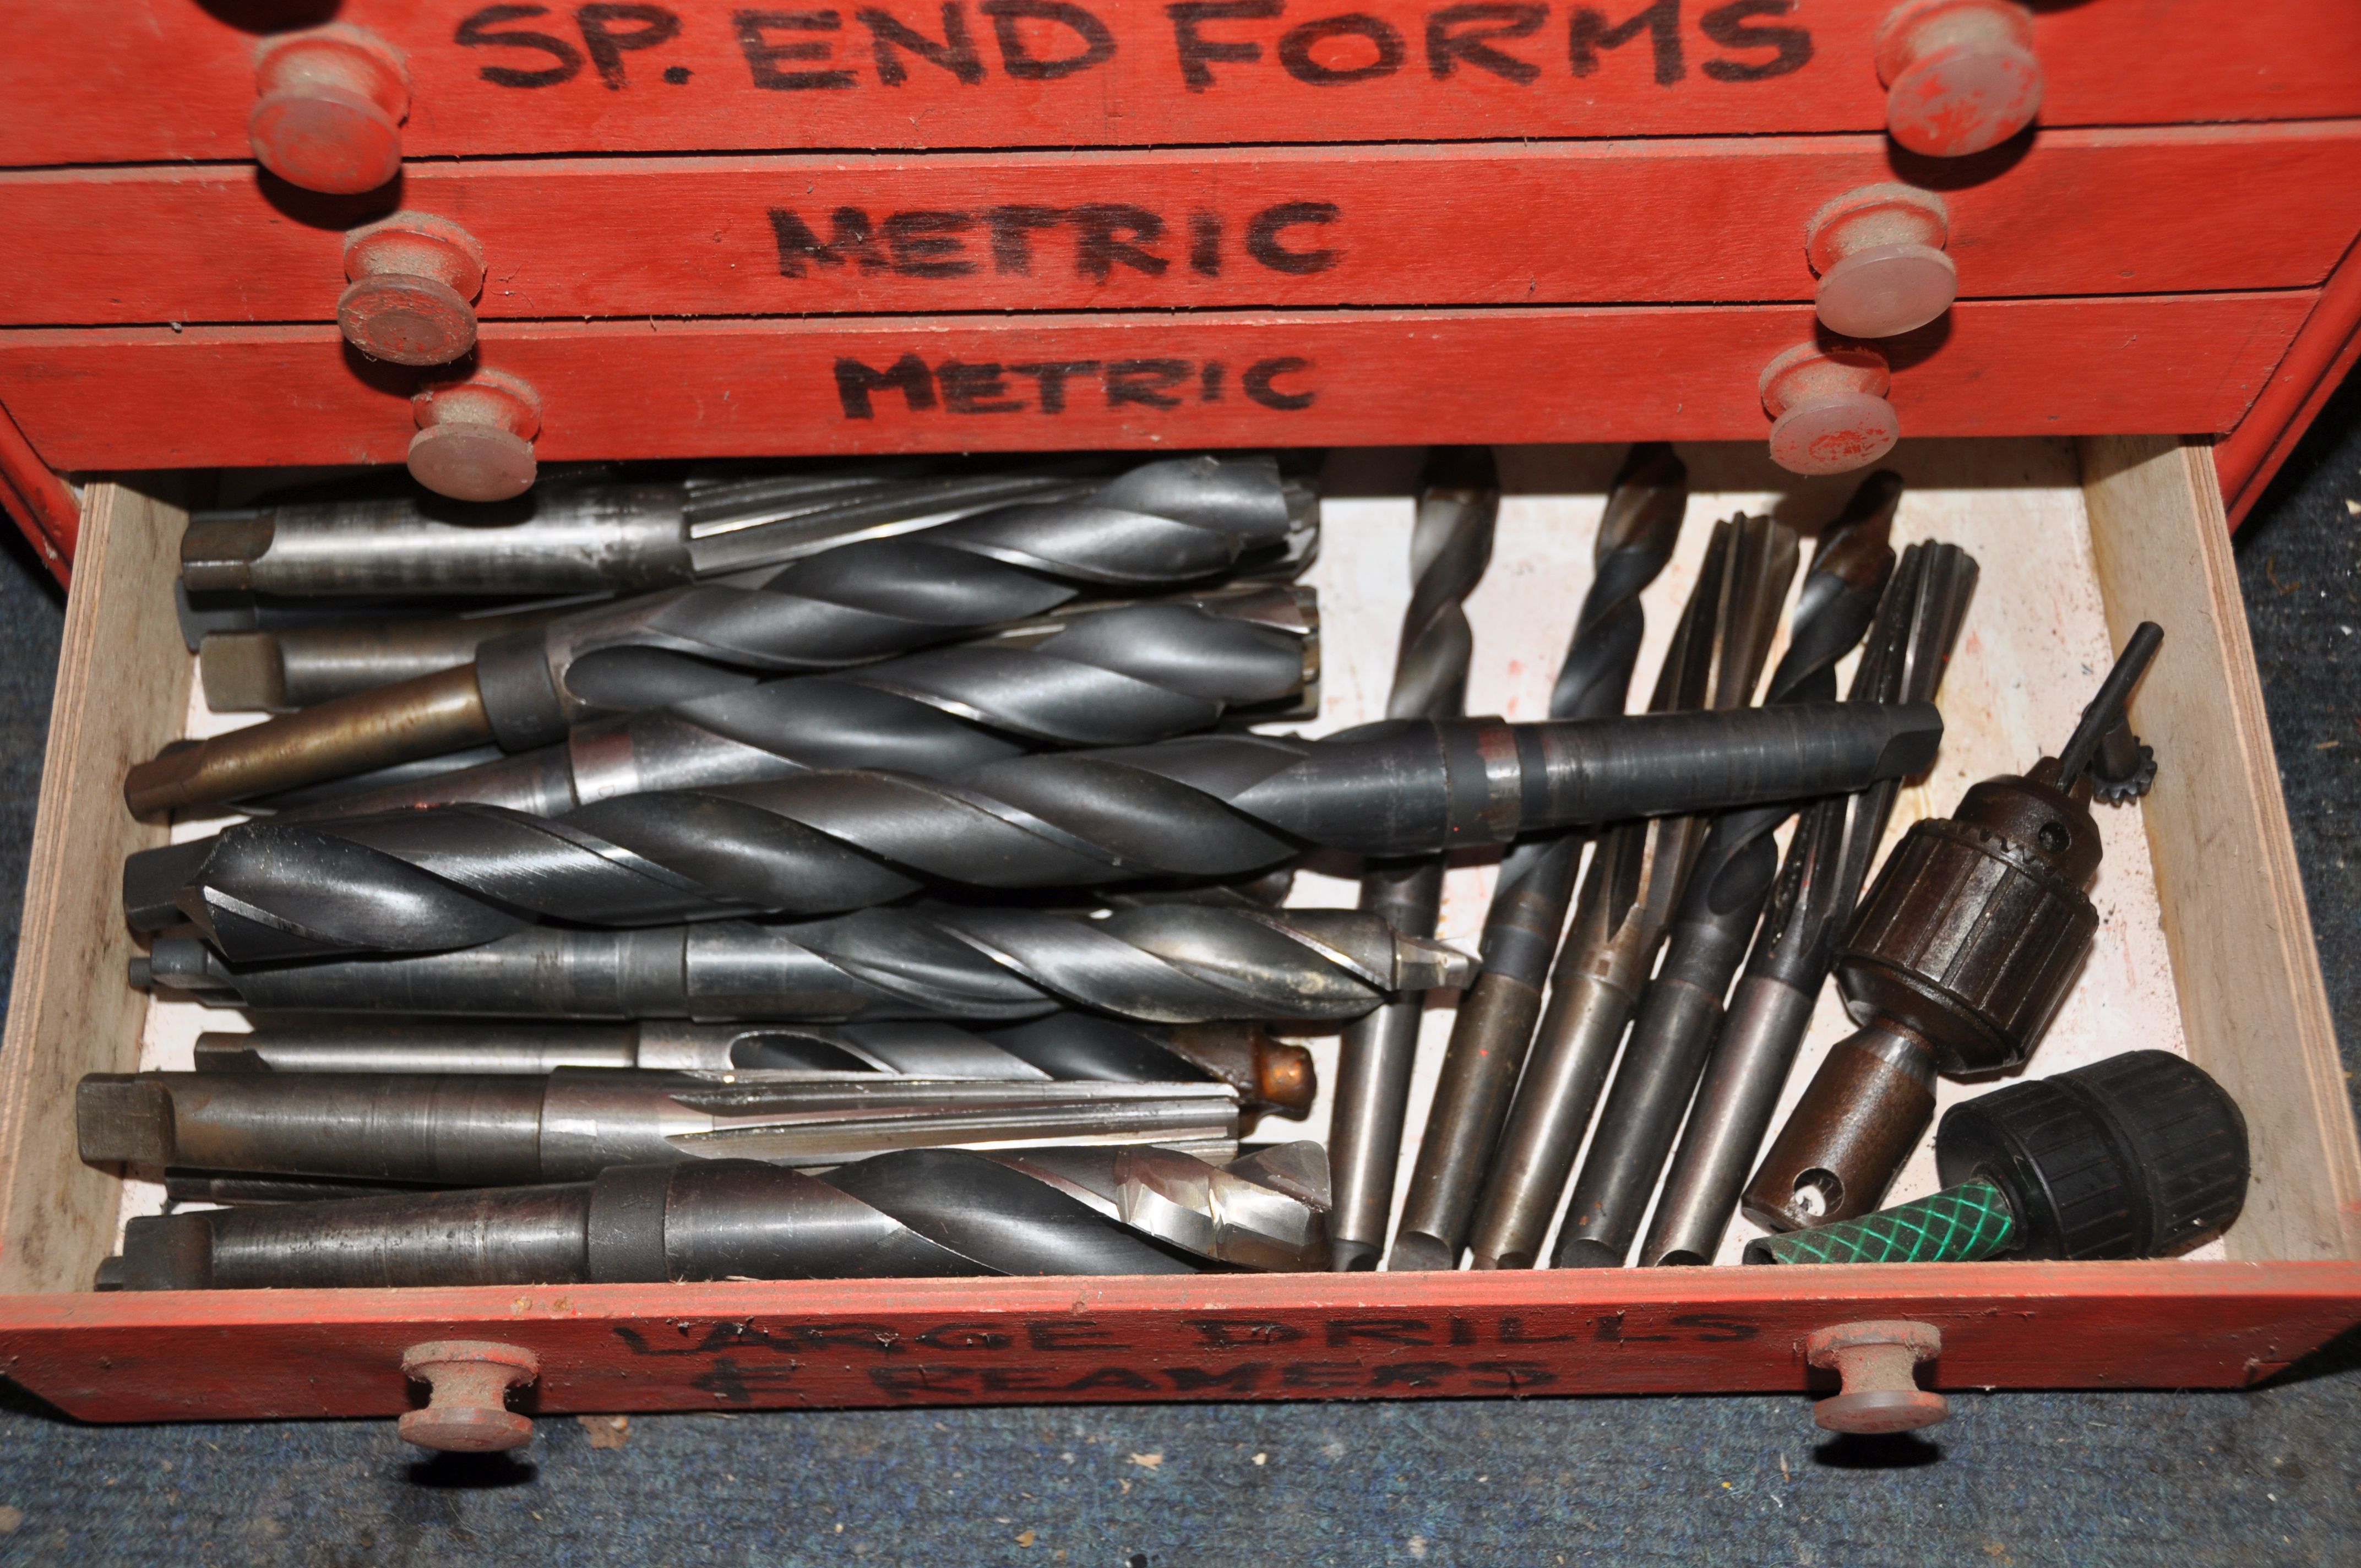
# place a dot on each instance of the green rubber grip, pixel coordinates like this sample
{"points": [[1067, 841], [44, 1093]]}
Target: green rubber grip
{"points": [[1958, 1224]]}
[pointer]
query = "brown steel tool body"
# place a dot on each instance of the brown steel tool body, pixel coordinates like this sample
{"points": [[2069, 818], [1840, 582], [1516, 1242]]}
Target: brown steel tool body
{"points": [[1961, 955]]}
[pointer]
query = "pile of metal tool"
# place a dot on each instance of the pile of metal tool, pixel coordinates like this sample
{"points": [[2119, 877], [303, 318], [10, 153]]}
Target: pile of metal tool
{"points": [[880, 870]]}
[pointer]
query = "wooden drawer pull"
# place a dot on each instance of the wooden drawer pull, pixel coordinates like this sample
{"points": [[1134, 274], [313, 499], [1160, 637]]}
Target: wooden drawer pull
{"points": [[1878, 1362], [1878, 250], [474, 437], [1828, 407], [329, 109], [1960, 75], [414, 281], [467, 1411]]}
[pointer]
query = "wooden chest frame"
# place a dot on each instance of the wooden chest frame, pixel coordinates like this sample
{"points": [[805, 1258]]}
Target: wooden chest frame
{"points": [[2249, 988]]}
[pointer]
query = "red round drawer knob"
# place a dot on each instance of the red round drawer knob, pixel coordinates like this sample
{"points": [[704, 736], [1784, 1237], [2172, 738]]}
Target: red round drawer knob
{"points": [[1960, 75], [474, 437], [1878, 1362], [1828, 407], [470, 1379], [330, 109], [413, 277], [1879, 254]]}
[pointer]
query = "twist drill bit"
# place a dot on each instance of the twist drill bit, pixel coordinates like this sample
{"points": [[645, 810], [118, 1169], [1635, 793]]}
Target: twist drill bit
{"points": [[1168, 963], [917, 1213], [509, 1129], [1680, 1013], [1269, 1074], [1829, 859], [1495, 1019], [1451, 543], [594, 532], [1212, 807], [1110, 678], [1517, 1149], [855, 603]]}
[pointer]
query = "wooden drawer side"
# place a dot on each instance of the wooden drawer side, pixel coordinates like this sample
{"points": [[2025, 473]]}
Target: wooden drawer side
{"points": [[2252, 1001], [122, 691]]}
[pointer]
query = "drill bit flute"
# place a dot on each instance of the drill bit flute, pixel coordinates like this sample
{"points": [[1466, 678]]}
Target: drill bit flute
{"points": [[917, 1213], [1495, 1020], [1681, 1010], [1459, 503], [1110, 678], [1827, 860], [848, 606], [1511, 1146], [1173, 963], [1212, 807]]}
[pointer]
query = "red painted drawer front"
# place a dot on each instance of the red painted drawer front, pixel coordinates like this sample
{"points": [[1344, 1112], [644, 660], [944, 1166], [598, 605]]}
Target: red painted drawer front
{"points": [[329, 1353], [1710, 220], [149, 397], [156, 79]]}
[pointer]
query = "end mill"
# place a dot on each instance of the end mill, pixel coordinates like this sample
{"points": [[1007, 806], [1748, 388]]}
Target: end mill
{"points": [[1450, 543], [1961, 955]]}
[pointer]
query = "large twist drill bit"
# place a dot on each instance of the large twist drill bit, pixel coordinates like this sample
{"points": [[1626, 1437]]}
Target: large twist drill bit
{"points": [[851, 605], [1509, 1165], [592, 532], [1681, 1010], [1827, 861], [1451, 543], [1212, 807], [1269, 1074], [1110, 678], [509, 1129], [1166, 963], [914, 1214], [1536, 878]]}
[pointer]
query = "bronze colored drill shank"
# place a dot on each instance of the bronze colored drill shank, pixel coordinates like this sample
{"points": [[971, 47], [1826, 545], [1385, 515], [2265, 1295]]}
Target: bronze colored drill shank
{"points": [[420, 717]]}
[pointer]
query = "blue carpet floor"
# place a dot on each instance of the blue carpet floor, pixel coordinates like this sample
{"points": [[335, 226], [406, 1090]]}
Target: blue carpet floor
{"points": [[2268, 1477]]}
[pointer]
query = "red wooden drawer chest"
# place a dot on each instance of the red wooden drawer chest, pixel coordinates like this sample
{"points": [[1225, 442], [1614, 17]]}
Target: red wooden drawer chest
{"points": [[709, 231], [2244, 981], [2183, 211]]}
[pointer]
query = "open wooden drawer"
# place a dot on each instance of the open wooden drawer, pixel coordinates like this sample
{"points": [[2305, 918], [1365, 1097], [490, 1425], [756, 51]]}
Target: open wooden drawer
{"points": [[2225, 918]]}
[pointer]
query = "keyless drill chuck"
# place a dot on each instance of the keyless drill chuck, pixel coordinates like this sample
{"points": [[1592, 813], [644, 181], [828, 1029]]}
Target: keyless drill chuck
{"points": [[2137, 1156]]}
